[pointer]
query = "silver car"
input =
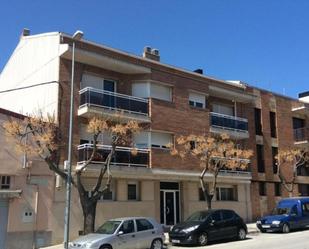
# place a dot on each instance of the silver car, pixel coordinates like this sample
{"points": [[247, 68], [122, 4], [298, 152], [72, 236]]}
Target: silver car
{"points": [[123, 233]]}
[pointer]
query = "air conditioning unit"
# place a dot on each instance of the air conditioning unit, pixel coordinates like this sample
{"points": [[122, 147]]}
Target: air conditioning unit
{"points": [[155, 51], [147, 49]]}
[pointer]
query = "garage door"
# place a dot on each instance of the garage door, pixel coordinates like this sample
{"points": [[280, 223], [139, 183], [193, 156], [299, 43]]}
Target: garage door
{"points": [[3, 222]]}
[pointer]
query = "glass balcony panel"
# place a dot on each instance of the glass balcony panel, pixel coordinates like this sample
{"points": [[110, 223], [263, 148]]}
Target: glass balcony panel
{"points": [[123, 155], [228, 122], [91, 96]]}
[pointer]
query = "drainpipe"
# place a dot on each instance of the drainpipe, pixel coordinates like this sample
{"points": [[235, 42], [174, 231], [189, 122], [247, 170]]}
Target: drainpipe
{"points": [[36, 204]]}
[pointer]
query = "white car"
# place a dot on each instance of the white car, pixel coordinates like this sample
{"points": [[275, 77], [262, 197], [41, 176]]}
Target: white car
{"points": [[123, 233]]}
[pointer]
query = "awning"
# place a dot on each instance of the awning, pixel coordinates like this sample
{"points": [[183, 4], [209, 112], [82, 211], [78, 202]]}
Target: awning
{"points": [[8, 193]]}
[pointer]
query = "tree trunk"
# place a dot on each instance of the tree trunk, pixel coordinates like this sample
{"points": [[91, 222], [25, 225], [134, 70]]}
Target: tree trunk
{"points": [[89, 217], [209, 200]]}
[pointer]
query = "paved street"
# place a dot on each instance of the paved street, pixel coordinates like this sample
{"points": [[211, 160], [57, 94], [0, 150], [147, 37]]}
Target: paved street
{"points": [[293, 240]]}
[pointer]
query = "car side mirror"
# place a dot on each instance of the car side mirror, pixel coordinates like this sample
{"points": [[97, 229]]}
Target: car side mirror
{"points": [[212, 222], [119, 233]]}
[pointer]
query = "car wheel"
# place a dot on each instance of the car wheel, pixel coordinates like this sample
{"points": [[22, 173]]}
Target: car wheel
{"points": [[202, 239], [285, 228], [241, 234], [156, 244], [106, 247]]}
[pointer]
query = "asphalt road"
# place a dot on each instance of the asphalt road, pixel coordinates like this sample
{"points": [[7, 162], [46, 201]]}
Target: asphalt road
{"points": [[293, 240]]}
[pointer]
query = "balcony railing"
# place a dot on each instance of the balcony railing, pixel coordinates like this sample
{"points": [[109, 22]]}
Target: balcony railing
{"points": [[227, 122], [113, 101], [124, 156], [300, 134]]}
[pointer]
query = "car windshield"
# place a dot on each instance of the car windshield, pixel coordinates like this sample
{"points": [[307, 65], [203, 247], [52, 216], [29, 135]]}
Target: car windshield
{"points": [[198, 216], [109, 227], [281, 210]]}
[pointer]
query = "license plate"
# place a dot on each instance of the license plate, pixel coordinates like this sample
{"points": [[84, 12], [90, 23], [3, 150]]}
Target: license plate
{"points": [[175, 241], [266, 226]]}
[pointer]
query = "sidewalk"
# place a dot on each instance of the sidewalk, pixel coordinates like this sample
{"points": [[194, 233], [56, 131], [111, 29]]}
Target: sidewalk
{"points": [[252, 229]]}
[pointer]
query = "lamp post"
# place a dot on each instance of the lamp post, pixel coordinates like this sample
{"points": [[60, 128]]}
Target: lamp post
{"points": [[68, 164]]}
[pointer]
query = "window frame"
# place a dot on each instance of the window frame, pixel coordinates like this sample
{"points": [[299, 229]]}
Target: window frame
{"points": [[137, 187], [5, 182]]}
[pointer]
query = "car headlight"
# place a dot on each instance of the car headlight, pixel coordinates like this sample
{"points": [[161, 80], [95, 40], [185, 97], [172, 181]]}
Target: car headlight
{"points": [[276, 222], [259, 222], [87, 245], [190, 229]]}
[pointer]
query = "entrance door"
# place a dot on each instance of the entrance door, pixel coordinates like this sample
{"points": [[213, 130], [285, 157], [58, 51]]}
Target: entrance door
{"points": [[169, 207], [3, 222]]}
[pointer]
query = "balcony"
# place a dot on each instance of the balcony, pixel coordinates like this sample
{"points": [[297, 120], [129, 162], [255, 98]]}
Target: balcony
{"points": [[110, 104], [300, 135], [234, 126], [124, 156]]}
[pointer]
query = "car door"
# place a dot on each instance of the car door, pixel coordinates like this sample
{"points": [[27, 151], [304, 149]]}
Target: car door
{"points": [[229, 228], [295, 218], [215, 226], [145, 233], [127, 235], [305, 214]]}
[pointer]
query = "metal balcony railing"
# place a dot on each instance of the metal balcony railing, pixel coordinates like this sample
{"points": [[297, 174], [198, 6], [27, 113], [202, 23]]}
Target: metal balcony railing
{"points": [[124, 156], [113, 101], [227, 122], [300, 134]]}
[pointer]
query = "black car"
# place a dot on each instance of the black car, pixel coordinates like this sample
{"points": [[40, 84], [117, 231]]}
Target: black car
{"points": [[204, 226]]}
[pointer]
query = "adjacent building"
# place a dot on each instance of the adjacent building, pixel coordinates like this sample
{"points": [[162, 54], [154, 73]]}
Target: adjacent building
{"points": [[169, 102]]}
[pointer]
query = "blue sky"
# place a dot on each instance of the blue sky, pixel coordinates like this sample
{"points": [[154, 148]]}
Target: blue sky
{"points": [[263, 42]]}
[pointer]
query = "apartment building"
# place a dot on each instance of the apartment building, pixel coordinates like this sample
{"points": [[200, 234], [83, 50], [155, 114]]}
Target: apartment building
{"points": [[169, 102]]}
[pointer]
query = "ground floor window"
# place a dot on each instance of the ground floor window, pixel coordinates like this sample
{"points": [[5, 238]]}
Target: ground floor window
{"points": [[227, 193], [303, 189], [133, 191], [277, 187], [262, 188]]}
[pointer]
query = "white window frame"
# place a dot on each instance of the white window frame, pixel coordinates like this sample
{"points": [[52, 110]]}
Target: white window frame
{"points": [[234, 189], [194, 96], [7, 182], [100, 78]]}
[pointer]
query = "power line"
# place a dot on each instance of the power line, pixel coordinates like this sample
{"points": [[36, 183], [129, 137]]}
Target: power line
{"points": [[25, 87]]}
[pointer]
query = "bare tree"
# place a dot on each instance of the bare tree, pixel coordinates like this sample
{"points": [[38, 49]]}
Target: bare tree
{"points": [[46, 143], [289, 160], [214, 153]]}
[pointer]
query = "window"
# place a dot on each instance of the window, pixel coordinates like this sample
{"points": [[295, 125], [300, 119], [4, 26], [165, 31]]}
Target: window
{"points": [[196, 100], [262, 188], [127, 227], [152, 90], [260, 158], [305, 208], [227, 215], [109, 195], [274, 152], [303, 170], [216, 216], [223, 109], [227, 194], [273, 126], [294, 210], [161, 92], [98, 83], [143, 224], [160, 140], [133, 192], [303, 189], [5, 182], [277, 187], [258, 121]]}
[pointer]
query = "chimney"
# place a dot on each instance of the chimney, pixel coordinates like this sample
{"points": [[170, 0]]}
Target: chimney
{"points": [[151, 53], [25, 32], [199, 70]]}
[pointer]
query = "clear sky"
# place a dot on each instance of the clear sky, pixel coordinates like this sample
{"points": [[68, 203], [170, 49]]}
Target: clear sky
{"points": [[262, 42]]}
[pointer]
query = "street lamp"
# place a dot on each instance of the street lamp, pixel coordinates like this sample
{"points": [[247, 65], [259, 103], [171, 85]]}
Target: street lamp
{"points": [[68, 164]]}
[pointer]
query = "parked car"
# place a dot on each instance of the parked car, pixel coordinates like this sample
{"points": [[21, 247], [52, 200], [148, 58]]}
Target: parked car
{"points": [[123, 233], [291, 213], [204, 226]]}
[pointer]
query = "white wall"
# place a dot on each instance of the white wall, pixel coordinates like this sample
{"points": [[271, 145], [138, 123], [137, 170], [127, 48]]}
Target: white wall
{"points": [[34, 61]]}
